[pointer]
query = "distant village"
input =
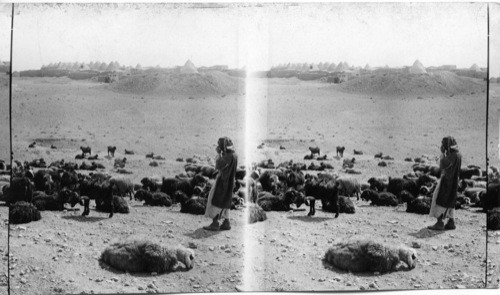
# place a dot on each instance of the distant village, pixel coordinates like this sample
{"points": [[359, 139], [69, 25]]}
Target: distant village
{"points": [[323, 71], [342, 72]]}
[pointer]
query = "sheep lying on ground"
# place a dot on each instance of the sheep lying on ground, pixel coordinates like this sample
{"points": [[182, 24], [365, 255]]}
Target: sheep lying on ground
{"points": [[345, 205], [150, 184], [20, 189], [94, 157], [396, 185], [158, 199], [194, 205], [363, 255], [56, 201], [135, 255], [255, 213], [129, 152], [282, 202], [23, 212], [119, 205], [379, 199], [120, 163], [348, 163], [419, 205], [378, 183]]}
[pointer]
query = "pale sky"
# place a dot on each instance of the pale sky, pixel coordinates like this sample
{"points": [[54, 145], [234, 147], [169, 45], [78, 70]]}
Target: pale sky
{"points": [[257, 37]]}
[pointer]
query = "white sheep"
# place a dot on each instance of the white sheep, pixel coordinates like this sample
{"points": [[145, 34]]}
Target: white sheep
{"points": [[139, 255], [364, 254]]}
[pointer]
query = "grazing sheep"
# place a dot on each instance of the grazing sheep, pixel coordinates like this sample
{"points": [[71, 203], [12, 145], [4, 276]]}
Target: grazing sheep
{"points": [[85, 150], [122, 186], [32, 145], [324, 190], [23, 212], [79, 157], [150, 155], [282, 147], [134, 255], [493, 220], [348, 186], [408, 159], [387, 157], [309, 157], [255, 213], [348, 163], [378, 155], [366, 255], [101, 192], [357, 152], [322, 158], [56, 201], [129, 152], [379, 199], [94, 157], [314, 150], [158, 157], [340, 151]]}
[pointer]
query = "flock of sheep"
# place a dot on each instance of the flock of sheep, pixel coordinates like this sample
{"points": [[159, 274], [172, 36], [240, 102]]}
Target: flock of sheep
{"points": [[36, 186]]}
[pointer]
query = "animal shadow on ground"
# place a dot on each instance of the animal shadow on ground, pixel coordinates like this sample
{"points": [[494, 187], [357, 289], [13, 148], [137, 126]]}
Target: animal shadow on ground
{"points": [[306, 218], [426, 233], [85, 218], [202, 233], [109, 268]]}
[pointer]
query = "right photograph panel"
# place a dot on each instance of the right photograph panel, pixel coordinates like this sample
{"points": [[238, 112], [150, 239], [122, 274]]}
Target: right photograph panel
{"points": [[373, 165]]}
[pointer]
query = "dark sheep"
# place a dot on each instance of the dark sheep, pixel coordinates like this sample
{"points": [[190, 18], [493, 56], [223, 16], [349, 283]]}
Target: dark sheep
{"points": [[396, 185], [20, 189], [111, 150], [270, 202], [377, 184], [101, 192], [382, 164], [314, 150], [194, 205], [491, 199], [405, 196], [387, 157], [157, 199], [120, 163], [122, 186], [69, 180], [378, 155], [129, 152], [119, 206], [23, 212], [345, 205], [419, 206], [340, 151], [94, 157], [32, 145], [240, 173], [149, 184], [493, 220], [56, 201], [348, 163], [79, 157], [408, 159], [379, 199], [324, 190], [43, 181], [467, 173], [295, 179], [309, 157], [86, 150], [322, 158], [270, 181], [357, 152], [208, 171], [98, 165], [143, 194], [462, 201], [150, 155]]}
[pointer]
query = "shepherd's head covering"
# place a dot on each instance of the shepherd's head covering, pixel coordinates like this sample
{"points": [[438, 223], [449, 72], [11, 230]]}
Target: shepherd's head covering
{"points": [[449, 144], [225, 144]]}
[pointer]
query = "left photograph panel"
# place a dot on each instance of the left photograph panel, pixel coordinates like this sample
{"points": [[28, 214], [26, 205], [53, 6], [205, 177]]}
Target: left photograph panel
{"points": [[5, 23], [121, 114]]}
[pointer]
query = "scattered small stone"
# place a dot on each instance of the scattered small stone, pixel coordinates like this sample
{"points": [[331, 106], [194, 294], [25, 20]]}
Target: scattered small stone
{"points": [[416, 245], [434, 248], [460, 286], [140, 288], [192, 245], [417, 286], [373, 285], [211, 248]]}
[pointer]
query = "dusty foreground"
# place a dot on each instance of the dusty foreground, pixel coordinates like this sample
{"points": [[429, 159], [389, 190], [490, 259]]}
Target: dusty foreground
{"points": [[60, 252], [4, 219]]}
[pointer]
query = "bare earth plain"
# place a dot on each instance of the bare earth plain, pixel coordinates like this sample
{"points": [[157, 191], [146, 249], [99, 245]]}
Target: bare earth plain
{"points": [[59, 254], [4, 155]]}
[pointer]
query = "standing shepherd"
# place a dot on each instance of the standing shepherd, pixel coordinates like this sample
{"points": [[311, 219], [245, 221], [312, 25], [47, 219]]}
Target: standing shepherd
{"points": [[220, 197], [445, 194]]}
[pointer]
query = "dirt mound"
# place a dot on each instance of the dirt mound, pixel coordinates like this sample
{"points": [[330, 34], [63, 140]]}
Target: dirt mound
{"points": [[392, 84], [160, 83]]}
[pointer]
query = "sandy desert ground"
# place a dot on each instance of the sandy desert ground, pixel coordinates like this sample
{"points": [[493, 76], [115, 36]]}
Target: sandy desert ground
{"points": [[60, 252]]}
